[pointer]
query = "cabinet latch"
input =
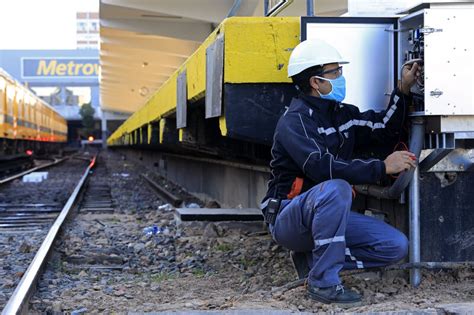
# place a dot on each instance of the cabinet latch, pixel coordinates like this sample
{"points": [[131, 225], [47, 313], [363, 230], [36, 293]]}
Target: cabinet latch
{"points": [[436, 93]]}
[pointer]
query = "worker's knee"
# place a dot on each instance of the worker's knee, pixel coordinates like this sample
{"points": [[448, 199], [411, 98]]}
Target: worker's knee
{"points": [[397, 248], [339, 187], [332, 195], [402, 246], [337, 190]]}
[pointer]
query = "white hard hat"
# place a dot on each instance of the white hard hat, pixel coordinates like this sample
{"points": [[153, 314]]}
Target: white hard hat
{"points": [[310, 53]]}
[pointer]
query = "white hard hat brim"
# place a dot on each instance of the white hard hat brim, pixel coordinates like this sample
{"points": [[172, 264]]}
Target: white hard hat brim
{"points": [[311, 53], [296, 68]]}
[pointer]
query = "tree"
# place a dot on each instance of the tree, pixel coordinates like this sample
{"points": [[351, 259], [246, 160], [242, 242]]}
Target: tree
{"points": [[87, 114]]}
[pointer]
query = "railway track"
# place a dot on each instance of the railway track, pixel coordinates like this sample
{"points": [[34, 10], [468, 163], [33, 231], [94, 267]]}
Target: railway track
{"points": [[30, 206], [27, 216], [31, 215], [14, 176], [15, 163], [110, 262], [97, 196]]}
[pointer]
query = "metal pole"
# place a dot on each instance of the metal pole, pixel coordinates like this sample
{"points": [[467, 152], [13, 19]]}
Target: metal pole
{"points": [[309, 8], [235, 7], [104, 129], [414, 194], [265, 7]]}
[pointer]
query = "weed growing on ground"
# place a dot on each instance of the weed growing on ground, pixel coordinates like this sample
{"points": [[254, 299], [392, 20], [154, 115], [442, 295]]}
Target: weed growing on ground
{"points": [[246, 263], [162, 276], [198, 272], [224, 247]]}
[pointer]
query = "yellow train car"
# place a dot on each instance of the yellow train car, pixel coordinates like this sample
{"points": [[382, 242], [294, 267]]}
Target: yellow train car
{"points": [[26, 121]]}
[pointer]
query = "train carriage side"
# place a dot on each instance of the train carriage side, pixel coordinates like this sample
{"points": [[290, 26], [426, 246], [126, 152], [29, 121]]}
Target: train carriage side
{"points": [[3, 104], [10, 121], [26, 121], [59, 128]]}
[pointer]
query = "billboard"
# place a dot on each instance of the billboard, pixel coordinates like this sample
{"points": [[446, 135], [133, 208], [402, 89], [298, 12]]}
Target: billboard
{"points": [[59, 67]]}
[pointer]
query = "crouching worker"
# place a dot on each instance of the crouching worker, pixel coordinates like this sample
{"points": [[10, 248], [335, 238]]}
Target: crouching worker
{"points": [[309, 195]]}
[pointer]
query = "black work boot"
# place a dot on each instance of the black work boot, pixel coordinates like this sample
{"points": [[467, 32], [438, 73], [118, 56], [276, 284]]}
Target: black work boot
{"points": [[300, 263], [336, 294]]}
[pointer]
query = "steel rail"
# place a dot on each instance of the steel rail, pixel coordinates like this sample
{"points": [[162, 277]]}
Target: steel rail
{"points": [[251, 167], [9, 179], [166, 195], [18, 302]]}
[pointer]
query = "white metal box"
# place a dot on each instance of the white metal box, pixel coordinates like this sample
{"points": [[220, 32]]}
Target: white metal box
{"points": [[448, 56], [377, 48]]}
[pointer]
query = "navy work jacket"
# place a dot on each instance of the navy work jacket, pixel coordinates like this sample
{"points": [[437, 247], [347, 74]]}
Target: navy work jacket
{"points": [[315, 139]]}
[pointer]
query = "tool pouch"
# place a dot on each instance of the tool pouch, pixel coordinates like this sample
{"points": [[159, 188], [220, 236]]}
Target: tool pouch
{"points": [[271, 211]]}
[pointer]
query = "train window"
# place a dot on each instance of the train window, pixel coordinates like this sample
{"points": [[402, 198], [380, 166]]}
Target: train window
{"points": [[81, 27], [93, 26]]}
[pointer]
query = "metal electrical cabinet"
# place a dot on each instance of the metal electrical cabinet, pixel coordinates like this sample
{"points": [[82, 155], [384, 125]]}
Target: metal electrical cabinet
{"points": [[436, 36], [439, 35]]}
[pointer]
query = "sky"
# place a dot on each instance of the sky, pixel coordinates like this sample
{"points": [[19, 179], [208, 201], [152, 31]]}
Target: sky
{"points": [[41, 24]]}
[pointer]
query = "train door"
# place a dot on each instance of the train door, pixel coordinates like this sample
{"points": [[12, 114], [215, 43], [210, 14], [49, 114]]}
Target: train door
{"points": [[41, 121], [28, 116], [22, 131], [34, 119], [38, 119], [49, 124], [18, 106], [3, 103], [10, 122], [53, 127]]}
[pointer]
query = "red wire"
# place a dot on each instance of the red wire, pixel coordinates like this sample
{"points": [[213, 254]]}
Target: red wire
{"points": [[401, 143], [396, 148]]}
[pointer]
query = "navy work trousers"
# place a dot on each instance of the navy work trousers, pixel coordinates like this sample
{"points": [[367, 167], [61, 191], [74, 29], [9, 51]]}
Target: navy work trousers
{"points": [[320, 223]]}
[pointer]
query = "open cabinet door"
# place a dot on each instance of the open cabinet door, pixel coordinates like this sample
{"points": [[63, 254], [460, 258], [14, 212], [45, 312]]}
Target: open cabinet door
{"points": [[369, 44], [449, 61]]}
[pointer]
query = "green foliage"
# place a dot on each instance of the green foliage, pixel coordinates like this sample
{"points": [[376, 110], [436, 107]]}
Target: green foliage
{"points": [[87, 114], [224, 247], [161, 276], [245, 262], [199, 273]]}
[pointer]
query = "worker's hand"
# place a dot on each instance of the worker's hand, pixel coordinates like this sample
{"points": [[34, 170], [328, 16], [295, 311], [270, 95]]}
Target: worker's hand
{"points": [[399, 161], [410, 73]]}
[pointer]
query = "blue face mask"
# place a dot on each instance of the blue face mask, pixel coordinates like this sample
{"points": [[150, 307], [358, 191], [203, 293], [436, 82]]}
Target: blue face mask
{"points": [[338, 91]]}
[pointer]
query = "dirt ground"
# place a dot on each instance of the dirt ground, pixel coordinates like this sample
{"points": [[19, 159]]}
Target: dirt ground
{"points": [[106, 264]]}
